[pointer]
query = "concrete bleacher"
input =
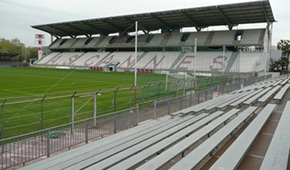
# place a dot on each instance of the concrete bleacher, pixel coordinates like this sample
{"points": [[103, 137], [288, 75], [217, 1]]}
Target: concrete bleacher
{"points": [[90, 59], [248, 60], [125, 59], [67, 44], [64, 59], [55, 44], [47, 58], [156, 40], [173, 39], [201, 37], [80, 43], [255, 36], [206, 61], [158, 60], [226, 37]]}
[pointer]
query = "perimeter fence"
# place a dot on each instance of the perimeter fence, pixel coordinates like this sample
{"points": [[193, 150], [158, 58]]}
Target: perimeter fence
{"points": [[23, 148], [22, 115]]}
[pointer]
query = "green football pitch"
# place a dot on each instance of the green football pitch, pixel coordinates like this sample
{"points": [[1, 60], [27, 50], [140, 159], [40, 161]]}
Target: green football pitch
{"points": [[21, 86], [22, 89]]}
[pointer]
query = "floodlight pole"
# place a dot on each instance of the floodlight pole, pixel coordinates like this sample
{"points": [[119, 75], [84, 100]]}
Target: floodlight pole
{"points": [[136, 41], [224, 62], [166, 81], [195, 48]]}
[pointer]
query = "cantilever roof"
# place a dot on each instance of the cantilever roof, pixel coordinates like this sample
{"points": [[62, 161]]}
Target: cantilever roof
{"points": [[230, 15]]}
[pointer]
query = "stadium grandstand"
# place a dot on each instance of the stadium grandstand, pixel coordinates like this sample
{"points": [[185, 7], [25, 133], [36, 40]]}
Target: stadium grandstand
{"points": [[240, 125], [107, 44]]}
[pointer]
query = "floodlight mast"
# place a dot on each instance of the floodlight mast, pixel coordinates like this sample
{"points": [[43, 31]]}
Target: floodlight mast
{"points": [[224, 58], [195, 48], [136, 41]]}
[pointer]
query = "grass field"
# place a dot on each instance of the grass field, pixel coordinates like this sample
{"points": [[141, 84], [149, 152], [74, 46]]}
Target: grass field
{"points": [[27, 84]]}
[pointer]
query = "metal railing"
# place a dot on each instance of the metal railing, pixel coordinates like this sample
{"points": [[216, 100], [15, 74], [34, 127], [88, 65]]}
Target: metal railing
{"points": [[49, 110], [167, 106], [21, 149]]}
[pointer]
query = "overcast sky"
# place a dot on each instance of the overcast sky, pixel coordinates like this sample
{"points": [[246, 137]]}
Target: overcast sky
{"points": [[17, 16]]}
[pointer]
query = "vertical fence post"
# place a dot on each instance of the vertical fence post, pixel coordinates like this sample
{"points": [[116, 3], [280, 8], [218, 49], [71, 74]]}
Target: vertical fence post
{"points": [[73, 112], [155, 109], [180, 102], [48, 143], [158, 89], [192, 89], [87, 131], [115, 98], [3, 120], [148, 90], [168, 106], [184, 89], [177, 88], [95, 108], [130, 101], [41, 117], [192, 84], [143, 87], [115, 122], [168, 87], [132, 111], [137, 115], [2, 132], [190, 99]]}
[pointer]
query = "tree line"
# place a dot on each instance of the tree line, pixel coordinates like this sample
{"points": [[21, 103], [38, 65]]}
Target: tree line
{"points": [[16, 46], [281, 64]]}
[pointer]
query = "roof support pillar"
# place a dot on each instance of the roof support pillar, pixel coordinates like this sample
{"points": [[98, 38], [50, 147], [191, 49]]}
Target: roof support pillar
{"points": [[51, 38], [269, 30], [198, 29]]}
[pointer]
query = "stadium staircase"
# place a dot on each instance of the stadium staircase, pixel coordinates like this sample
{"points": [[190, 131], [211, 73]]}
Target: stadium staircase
{"points": [[177, 60], [165, 39], [74, 43], [139, 59], [109, 54], [262, 65], [100, 40], [209, 38], [232, 61]]}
